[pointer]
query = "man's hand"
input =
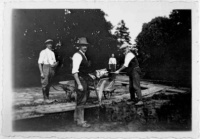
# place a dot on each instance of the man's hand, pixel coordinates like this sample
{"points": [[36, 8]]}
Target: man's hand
{"points": [[42, 75], [80, 87], [117, 72], [54, 64]]}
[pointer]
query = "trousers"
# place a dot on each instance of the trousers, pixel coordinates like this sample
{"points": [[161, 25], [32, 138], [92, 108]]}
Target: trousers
{"points": [[48, 72], [81, 99], [134, 84], [113, 67]]}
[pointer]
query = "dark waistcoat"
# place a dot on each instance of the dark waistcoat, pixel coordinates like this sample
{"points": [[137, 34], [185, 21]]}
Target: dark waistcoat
{"points": [[84, 66]]}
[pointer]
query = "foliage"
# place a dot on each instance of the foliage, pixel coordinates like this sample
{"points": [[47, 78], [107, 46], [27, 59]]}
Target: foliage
{"points": [[32, 27], [122, 33], [165, 47]]}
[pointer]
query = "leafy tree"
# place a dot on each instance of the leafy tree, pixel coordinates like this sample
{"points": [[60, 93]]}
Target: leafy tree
{"points": [[165, 47], [122, 33], [32, 27]]}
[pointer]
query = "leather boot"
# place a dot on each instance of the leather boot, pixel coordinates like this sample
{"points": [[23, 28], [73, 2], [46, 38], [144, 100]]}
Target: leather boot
{"points": [[132, 96], [47, 93], [44, 90]]}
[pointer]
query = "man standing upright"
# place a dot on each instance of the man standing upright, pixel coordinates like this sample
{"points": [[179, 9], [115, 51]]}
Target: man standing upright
{"points": [[112, 63], [133, 71], [47, 64], [80, 70]]}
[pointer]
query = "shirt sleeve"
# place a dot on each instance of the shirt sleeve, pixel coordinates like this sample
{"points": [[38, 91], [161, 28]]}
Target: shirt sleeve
{"points": [[115, 61], [54, 58], [128, 59], [76, 61], [41, 58], [109, 61]]}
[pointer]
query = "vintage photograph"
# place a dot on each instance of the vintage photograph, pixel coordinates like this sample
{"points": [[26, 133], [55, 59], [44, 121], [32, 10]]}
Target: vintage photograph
{"points": [[120, 67]]}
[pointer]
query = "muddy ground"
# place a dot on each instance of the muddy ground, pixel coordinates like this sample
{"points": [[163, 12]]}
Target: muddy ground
{"points": [[163, 111]]}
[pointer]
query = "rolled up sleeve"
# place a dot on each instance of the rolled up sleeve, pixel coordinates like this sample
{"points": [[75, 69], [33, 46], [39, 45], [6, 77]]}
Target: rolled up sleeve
{"points": [[41, 58], [128, 59], [76, 61]]}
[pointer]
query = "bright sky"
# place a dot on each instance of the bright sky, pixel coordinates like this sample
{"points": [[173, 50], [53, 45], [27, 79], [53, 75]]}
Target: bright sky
{"points": [[136, 13]]}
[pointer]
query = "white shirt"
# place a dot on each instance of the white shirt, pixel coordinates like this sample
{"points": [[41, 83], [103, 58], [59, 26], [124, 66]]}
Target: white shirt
{"points": [[47, 57], [77, 59], [112, 60], [129, 56]]}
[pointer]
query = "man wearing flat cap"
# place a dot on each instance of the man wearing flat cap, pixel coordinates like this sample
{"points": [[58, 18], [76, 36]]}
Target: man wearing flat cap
{"points": [[133, 71], [80, 70], [47, 64]]}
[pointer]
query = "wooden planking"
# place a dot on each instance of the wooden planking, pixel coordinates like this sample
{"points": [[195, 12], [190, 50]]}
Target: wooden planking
{"points": [[151, 90], [153, 86], [63, 107], [173, 90], [26, 115], [36, 111]]}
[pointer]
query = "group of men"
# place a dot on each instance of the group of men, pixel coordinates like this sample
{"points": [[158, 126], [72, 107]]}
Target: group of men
{"points": [[80, 69]]}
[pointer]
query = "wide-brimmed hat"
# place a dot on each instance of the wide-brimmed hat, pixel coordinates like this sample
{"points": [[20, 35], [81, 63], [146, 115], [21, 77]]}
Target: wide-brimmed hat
{"points": [[82, 41], [48, 41]]}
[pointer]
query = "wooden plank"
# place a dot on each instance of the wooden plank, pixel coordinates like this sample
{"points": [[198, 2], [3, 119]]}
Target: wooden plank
{"points": [[146, 85], [26, 115], [122, 82], [60, 108], [151, 90], [173, 90]]}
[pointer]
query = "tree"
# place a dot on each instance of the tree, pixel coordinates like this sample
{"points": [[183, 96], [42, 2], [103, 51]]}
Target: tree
{"points": [[165, 47], [32, 27], [122, 33]]}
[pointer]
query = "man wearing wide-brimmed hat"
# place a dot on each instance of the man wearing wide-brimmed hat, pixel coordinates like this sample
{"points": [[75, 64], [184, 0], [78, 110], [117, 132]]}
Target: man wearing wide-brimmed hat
{"points": [[133, 71], [47, 64], [80, 70]]}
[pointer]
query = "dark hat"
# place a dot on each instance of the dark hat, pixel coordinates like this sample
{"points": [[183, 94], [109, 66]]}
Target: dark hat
{"points": [[82, 41], [48, 41]]}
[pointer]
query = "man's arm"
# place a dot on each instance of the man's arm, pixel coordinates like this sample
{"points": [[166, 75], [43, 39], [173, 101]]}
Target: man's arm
{"points": [[40, 63], [115, 63], [55, 64], [109, 63], [41, 71], [119, 70], [76, 77], [127, 60], [76, 61]]}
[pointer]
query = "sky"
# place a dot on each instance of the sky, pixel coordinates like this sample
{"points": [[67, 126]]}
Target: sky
{"points": [[136, 13]]}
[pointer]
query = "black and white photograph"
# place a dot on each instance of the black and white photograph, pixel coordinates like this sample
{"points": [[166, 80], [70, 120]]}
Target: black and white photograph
{"points": [[107, 67]]}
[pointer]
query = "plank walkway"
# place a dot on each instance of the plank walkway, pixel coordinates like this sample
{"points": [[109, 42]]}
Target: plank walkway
{"points": [[28, 102]]}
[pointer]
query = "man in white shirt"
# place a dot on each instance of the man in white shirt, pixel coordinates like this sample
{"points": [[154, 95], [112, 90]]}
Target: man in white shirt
{"points": [[47, 63], [112, 63], [133, 71], [80, 70]]}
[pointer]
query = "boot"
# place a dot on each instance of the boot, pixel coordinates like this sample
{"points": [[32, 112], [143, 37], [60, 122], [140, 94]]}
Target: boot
{"points": [[44, 93], [47, 93], [132, 96]]}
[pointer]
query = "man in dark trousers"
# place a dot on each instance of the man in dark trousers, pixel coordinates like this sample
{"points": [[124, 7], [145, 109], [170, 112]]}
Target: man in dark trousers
{"points": [[80, 70], [133, 71], [47, 64]]}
